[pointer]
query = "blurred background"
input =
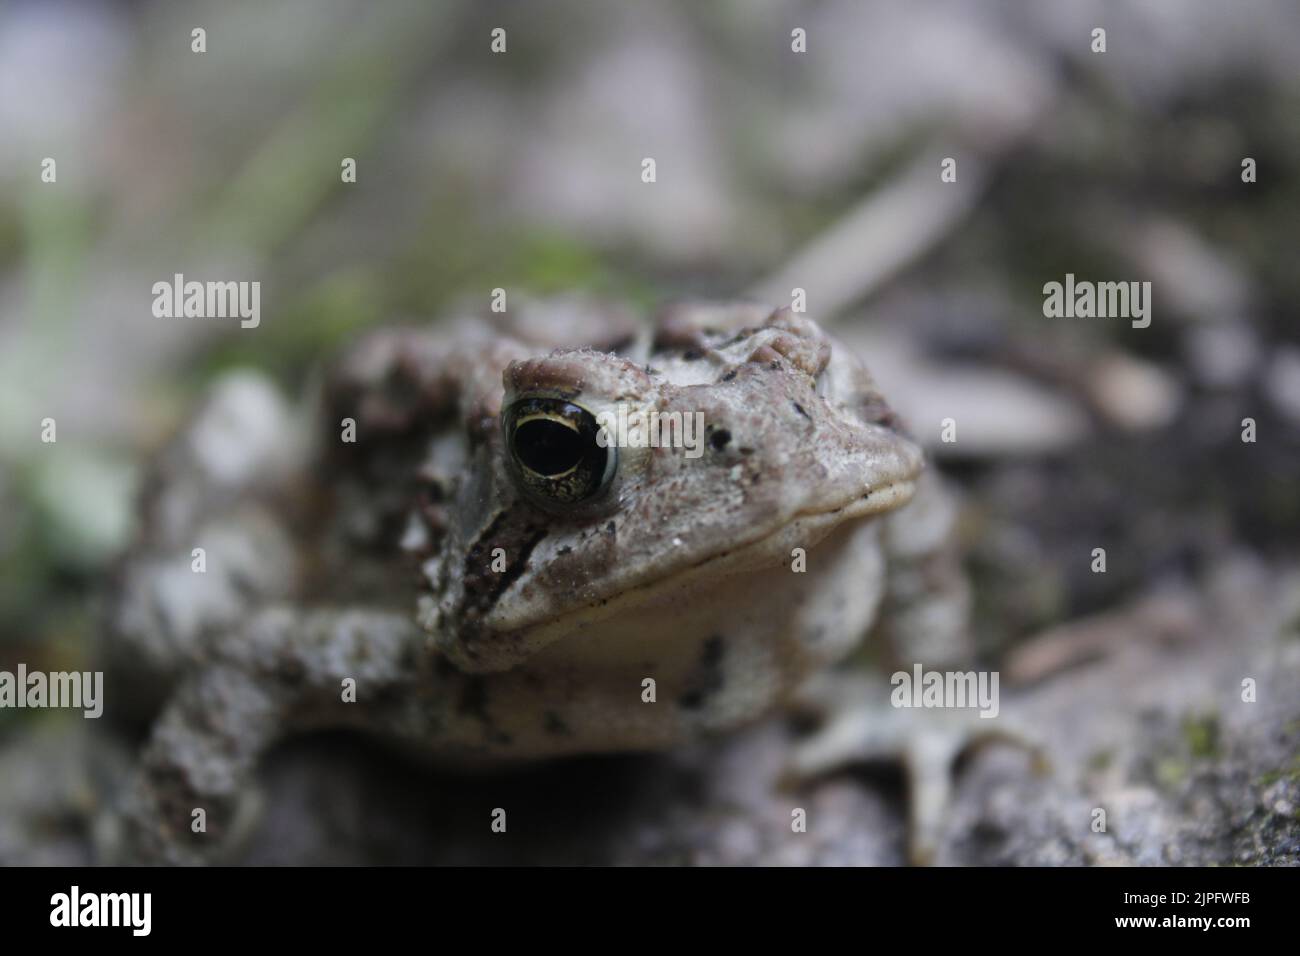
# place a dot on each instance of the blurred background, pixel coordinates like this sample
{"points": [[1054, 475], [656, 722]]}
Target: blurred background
{"points": [[775, 169]]}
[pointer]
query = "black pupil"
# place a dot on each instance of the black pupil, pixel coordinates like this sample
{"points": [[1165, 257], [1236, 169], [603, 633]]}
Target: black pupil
{"points": [[548, 447]]}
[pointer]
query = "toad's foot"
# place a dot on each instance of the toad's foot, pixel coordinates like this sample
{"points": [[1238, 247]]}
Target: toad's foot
{"points": [[859, 726], [189, 801]]}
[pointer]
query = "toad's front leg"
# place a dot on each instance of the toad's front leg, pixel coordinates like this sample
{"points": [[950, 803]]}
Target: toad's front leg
{"points": [[860, 726], [286, 670], [924, 622]]}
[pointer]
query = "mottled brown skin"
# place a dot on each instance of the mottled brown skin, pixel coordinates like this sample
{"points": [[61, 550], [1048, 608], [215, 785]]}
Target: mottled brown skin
{"points": [[678, 572]]}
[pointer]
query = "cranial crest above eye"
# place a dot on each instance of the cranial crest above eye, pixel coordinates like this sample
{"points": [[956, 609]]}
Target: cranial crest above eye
{"points": [[796, 340], [570, 373]]}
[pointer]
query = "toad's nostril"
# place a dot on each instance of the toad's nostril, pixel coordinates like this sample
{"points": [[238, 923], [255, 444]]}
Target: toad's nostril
{"points": [[872, 408]]}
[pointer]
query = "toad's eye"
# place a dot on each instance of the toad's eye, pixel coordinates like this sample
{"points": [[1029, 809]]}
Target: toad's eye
{"points": [[555, 452]]}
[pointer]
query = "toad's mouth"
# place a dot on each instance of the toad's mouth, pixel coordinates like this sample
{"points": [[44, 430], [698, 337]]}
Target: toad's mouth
{"points": [[770, 547]]}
